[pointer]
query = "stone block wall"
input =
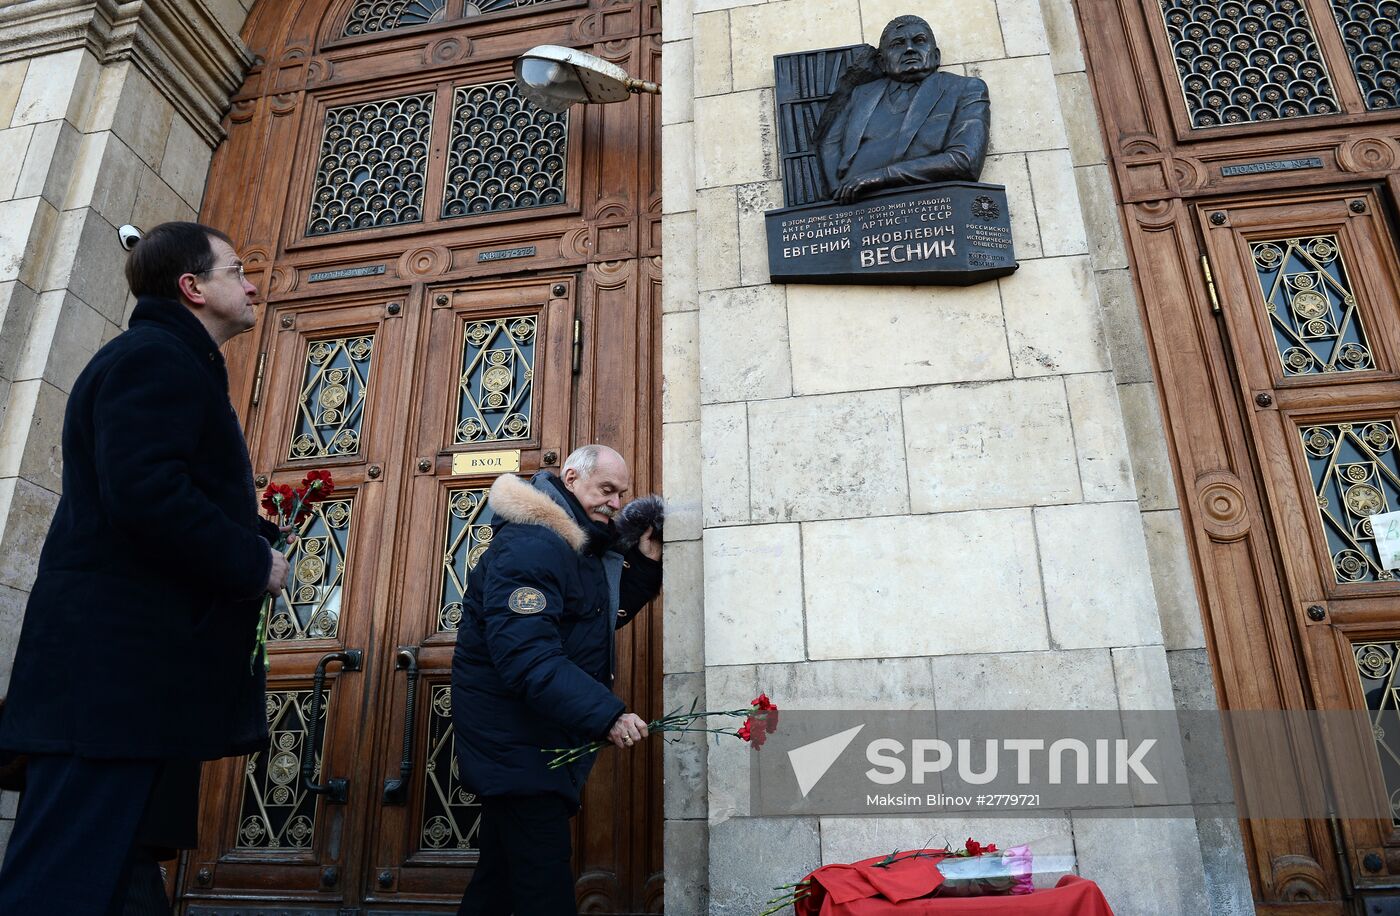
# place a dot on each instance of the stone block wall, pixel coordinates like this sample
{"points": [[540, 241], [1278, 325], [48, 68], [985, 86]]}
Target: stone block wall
{"points": [[91, 137], [912, 497]]}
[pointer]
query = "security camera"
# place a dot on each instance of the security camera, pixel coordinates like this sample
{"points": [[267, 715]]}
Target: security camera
{"points": [[129, 236]]}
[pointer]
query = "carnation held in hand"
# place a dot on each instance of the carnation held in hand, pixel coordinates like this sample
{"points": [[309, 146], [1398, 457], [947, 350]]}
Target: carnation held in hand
{"points": [[760, 720], [289, 508]]}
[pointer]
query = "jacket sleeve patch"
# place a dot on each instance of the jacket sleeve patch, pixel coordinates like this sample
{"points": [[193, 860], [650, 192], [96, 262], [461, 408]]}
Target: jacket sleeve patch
{"points": [[526, 601]]}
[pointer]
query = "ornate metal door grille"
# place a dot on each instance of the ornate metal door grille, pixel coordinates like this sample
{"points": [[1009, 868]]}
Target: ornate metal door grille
{"points": [[1312, 310], [1371, 32], [1356, 475], [451, 815], [373, 165], [330, 407], [309, 608], [467, 537], [1242, 61], [369, 16], [1375, 666], [504, 154], [497, 382], [277, 813]]}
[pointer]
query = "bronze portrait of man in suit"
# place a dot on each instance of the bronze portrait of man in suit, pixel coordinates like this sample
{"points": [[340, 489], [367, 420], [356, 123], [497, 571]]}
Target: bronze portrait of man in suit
{"points": [[910, 126]]}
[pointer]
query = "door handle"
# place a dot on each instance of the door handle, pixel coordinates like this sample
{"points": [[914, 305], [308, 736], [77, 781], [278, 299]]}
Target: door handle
{"points": [[396, 790], [336, 790]]}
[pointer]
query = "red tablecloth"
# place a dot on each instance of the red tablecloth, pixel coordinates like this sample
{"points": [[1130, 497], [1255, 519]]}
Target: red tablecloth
{"points": [[901, 889]]}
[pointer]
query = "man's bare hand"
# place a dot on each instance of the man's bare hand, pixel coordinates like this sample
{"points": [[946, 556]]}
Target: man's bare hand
{"points": [[277, 576], [650, 545], [627, 730]]}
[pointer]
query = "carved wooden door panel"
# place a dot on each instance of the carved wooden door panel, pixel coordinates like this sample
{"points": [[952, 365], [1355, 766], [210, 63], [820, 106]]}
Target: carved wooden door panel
{"points": [[329, 382], [1308, 287], [493, 396], [453, 282]]}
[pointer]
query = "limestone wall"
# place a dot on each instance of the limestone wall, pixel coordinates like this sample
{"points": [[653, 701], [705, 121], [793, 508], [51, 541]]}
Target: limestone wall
{"points": [[912, 498]]}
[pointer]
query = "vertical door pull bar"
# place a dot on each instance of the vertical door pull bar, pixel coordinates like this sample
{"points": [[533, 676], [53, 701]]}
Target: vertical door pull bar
{"points": [[396, 790], [336, 790]]}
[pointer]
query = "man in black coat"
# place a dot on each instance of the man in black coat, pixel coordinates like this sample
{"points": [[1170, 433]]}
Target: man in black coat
{"points": [[534, 668], [133, 663]]}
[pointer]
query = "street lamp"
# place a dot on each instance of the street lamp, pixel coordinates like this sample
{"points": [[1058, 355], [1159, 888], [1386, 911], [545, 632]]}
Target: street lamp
{"points": [[553, 78]]}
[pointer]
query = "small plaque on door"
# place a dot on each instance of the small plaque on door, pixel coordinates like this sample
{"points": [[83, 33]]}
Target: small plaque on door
{"points": [[502, 462]]}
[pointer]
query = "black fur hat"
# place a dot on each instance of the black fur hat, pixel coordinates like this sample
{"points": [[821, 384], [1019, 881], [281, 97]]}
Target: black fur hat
{"points": [[636, 517]]}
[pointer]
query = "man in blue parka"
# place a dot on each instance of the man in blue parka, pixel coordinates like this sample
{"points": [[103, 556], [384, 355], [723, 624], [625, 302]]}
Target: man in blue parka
{"points": [[533, 670]]}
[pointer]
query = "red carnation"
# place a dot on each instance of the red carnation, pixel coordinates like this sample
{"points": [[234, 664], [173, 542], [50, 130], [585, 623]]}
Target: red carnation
{"points": [[766, 711], [268, 503], [277, 499], [743, 731], [318, 486], [756, 735], [975, 848]]}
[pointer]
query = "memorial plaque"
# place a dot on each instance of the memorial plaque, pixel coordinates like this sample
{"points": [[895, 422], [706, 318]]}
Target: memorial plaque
{"points": [[954, 233], [881, 153]]}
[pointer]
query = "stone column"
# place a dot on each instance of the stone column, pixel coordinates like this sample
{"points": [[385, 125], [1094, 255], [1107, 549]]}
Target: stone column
{"points": [[109, 113]]}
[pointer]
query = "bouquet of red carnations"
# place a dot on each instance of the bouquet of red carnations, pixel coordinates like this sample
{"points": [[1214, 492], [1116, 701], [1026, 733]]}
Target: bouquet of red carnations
{"points": [[760, 720], [972, 870], [289, 508]]}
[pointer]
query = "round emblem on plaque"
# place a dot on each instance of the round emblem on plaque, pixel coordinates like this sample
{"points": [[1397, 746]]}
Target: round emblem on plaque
{"points": [[986, 209]]}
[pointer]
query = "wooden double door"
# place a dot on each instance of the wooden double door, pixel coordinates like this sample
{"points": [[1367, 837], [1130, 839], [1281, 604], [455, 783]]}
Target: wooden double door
{"points": [[455, 285], [1307, 285], [401, 396]]}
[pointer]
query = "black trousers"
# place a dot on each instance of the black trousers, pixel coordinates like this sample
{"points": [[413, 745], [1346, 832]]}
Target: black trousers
{"points": [[87, 833], [525, 867]]}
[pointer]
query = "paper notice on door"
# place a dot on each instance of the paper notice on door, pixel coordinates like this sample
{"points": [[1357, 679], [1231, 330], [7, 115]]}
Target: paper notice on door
{"points": [[1387, 530]]}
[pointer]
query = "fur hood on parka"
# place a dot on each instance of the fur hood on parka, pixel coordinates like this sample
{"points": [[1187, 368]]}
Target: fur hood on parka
{"points": [[515, 500]]}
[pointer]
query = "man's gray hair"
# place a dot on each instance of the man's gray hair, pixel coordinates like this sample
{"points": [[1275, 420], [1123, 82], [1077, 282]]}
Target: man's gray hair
{"points": [[903, 21], [584, 459]]}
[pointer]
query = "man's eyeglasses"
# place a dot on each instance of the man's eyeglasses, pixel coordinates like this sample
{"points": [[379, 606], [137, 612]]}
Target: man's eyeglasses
{"points": [[242, 274]]}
